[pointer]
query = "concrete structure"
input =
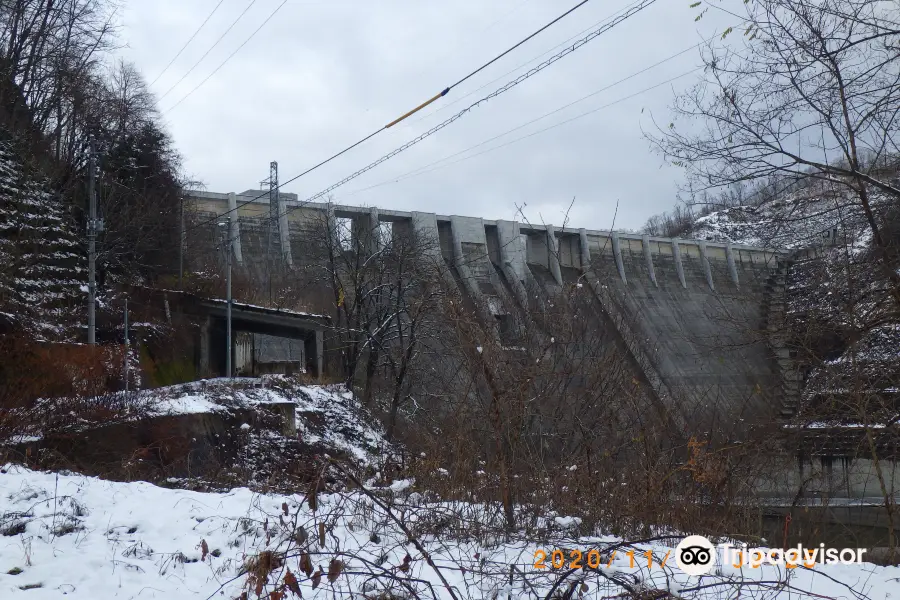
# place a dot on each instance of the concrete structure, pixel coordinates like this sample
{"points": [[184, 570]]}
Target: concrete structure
{"points": [[693, 314], [703, 321], [262, 354], [265, 324], [264, 340]]}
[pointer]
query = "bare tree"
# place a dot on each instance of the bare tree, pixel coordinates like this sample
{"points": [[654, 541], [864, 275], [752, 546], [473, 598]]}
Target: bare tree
{"points": [[805, 110], [51, 53], [812, 93], [386, 291]]}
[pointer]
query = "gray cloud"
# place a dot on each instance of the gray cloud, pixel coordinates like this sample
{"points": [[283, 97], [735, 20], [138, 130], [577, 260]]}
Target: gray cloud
{"points": [[320, 75]]}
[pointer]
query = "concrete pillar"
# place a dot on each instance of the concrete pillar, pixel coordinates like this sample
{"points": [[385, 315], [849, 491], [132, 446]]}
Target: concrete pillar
{"points": [[553, 255], [284, 232], [205, 343], [704, 260], [585, 247], [512, 258], [471, 229], [425, 227], [456, 239], [234, 232], [331, 226], [679, 266], [320, 354], [732, 269], [457, 227], [648, 256], [512, 247], [617, 252], [374, 231]]}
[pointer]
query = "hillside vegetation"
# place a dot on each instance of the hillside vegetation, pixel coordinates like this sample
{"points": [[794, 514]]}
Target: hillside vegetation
{"points": [[43, 274], [65, 97]]}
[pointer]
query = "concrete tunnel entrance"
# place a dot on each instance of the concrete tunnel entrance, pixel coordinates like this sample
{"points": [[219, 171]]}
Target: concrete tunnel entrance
{"points": [[264, 340]]}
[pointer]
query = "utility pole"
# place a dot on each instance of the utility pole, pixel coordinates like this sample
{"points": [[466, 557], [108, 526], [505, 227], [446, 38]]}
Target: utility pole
{"points": [[273, 221], [126, 345], [181, 243], [94, 226], [228, 251]]}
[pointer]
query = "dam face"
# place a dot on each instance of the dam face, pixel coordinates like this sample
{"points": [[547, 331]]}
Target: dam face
{"points": [[700, 319]]}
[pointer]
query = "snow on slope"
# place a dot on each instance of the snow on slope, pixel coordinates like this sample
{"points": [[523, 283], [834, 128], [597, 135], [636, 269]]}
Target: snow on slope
{"points": [[42, 270], [326, 416], [819, 298], [85, 538], [798, 220]]}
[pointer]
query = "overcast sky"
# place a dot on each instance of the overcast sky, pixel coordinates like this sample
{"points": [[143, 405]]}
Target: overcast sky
{"points": [[322, 74]]}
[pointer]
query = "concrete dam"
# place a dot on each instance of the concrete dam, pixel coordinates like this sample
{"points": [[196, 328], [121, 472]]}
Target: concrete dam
{"points": [[700, 319], [703, 322]]}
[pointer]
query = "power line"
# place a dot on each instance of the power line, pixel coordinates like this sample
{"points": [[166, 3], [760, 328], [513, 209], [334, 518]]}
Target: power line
{"points": [[191, 39], [205, 54], [453, 50], [496, 92], [545, 115], [216, 70], [446, 90], [644, 4], [527, 62], [425, 169], [511, 48], [509, 85]]}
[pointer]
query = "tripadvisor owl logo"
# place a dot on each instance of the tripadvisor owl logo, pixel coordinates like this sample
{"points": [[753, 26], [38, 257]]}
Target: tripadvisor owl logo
{"points": [[695, 555]]}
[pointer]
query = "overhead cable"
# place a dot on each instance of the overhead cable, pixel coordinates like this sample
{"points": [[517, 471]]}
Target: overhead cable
{"points": [[190, 39], [506, 87], [238, 49], [511, 48], [444, 92], [526, 63], [413, 173], [434, 166], [210, 49]]}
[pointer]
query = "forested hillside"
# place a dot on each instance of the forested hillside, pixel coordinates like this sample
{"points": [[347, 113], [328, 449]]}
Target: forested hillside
{"points": [[65, 98]]}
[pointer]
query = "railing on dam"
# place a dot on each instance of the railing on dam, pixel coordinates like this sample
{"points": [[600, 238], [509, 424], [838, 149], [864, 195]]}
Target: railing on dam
{"points": [[515, 242]]}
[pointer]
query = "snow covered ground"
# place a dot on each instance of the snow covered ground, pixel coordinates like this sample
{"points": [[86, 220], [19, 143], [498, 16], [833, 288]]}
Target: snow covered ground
{"points": [[85, 538], [799, 220], [326, 416]]}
